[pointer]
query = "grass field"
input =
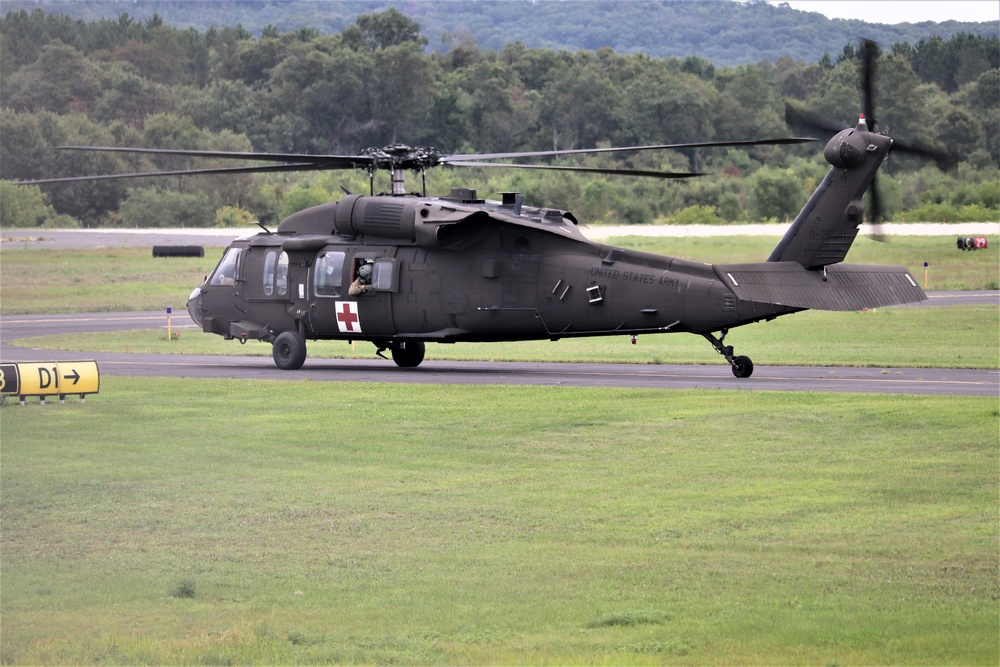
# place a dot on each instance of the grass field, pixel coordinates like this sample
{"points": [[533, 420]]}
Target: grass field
{"points": [[102, 280], [177, 521]]}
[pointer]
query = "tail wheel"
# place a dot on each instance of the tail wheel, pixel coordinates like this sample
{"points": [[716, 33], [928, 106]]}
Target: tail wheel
{"points": [[289, 351], [742, 367], [408, 353]]}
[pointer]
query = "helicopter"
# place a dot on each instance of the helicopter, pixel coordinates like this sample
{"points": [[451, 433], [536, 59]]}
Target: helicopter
{"points": [[403, 269]]}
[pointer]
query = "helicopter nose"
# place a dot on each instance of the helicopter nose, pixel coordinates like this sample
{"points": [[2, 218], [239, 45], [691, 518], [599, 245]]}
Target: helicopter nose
{"points": [[194, 306]]}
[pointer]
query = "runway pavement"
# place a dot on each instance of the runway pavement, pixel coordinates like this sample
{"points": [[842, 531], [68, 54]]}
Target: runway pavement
{"points": [[957, 382], [208, 236]]}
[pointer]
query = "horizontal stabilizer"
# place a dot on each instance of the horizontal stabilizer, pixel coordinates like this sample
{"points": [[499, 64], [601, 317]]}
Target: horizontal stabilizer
{"points": [[839, 287]]}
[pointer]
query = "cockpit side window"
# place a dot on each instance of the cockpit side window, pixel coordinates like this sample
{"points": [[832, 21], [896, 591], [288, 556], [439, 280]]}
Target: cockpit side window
{"points": [[328, 276], [281, 279], [225, 273], [275, 273], [269, 272]]}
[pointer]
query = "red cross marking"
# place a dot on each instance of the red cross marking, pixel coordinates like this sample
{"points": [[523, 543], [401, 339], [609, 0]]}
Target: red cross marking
{"points": [[347, 317]]}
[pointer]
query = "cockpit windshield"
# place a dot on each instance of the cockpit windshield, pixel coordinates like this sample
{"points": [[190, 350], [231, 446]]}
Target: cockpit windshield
{"points": [[225, 273]]}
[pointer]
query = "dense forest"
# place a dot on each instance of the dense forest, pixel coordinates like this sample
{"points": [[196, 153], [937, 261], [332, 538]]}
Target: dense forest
{"points": [[724, 32], [141, 82]]}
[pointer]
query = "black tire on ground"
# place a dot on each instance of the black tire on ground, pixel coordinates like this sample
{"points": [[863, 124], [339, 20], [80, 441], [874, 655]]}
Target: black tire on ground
{"points": [[178, 251], [408, 353], [742, 367], [289, 351]]}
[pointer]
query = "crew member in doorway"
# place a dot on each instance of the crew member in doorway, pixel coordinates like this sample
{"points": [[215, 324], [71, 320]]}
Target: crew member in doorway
{"points": [[363, 282]]}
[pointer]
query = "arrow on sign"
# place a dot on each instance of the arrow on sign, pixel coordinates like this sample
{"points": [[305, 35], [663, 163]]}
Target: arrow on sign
{"points": [[75, 376]]}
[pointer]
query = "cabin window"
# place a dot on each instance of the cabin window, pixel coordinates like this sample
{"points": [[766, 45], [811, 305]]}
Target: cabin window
{"points": [[329, 274], [383, 275], [225, 273]]}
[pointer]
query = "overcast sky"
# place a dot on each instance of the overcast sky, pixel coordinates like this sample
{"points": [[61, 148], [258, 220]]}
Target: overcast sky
{"points": [[900, 11]]}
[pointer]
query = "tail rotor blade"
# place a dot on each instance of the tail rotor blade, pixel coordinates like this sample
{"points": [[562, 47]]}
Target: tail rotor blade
{"points": [[869, 53], [798, 117], [875, 215], [942, 158]]}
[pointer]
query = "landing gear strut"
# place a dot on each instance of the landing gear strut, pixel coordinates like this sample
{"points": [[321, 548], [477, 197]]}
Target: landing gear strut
{"points": [[742, 366]]}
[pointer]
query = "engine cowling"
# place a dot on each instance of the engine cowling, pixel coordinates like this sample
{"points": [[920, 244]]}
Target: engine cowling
{"points": [[429, 223]]}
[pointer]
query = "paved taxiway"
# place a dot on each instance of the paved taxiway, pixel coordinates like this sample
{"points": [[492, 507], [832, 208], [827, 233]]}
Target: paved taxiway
{"points": [[779, 378], [209, 236]]}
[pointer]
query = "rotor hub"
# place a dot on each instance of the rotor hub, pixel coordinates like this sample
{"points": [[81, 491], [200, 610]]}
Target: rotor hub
{"points": [[400, 156]]}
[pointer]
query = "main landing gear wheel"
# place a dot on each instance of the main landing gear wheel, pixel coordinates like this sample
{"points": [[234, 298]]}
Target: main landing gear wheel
{"points": [[289, 350], [742, 366], [408, 353]]}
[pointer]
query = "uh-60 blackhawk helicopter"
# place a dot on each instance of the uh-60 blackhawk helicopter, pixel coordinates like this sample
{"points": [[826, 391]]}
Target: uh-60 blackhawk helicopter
{"points": [[405, 269]]}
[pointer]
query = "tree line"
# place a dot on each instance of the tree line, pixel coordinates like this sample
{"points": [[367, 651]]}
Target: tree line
{"points": [[128, 82], [725, 32]]}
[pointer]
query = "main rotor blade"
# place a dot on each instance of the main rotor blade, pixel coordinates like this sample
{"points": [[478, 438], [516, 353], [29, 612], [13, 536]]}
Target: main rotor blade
{"points": [[320, 161], [398, 157], [453, 159], [182, 172], [590, 170]]}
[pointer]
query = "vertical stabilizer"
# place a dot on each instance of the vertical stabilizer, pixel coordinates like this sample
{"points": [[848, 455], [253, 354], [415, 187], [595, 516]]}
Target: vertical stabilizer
{"points": [[825, 228]]}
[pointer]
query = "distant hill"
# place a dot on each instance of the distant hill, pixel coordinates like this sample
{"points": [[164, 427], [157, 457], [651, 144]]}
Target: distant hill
{"points": [[725, 32]]}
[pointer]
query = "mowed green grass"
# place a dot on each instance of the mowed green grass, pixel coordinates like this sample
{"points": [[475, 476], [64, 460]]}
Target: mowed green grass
{"points": [[178, 521], [233, 522], [34, 280]]}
